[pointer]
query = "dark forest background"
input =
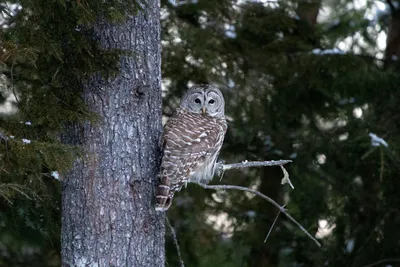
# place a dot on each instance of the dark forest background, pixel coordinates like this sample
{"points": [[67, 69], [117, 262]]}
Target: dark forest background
{"points": [[317, 82]]}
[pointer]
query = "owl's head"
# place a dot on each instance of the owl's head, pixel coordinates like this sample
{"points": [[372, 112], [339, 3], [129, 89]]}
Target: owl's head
{"points": [[204, 99]]}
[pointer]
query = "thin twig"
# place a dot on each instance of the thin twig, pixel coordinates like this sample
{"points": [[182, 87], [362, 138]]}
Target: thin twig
{"points": [[272, 226], [175, 242], [270, 200], [12, 81], [382, 166]]}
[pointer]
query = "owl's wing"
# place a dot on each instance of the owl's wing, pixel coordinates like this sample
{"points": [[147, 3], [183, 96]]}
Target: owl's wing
{"points": [[188, 140]]}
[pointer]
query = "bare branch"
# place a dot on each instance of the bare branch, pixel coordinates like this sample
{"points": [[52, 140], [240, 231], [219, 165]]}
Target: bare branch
{"points": [[221, 168], [182, 264], [247, 164], [272, 226], [270, 200]]}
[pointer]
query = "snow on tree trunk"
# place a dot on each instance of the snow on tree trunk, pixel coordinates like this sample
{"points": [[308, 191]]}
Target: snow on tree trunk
{"points": [[108, 216]]}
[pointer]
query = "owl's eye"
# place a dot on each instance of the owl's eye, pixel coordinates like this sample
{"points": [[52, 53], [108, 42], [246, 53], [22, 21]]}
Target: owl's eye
{"points": [[212, 101], [197, 101]]}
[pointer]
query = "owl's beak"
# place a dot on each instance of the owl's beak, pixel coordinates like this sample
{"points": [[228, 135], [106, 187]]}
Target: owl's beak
{"points": [[204, 110]]}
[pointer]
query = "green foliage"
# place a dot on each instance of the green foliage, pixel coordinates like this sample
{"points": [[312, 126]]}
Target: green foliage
{"points": [[287, 100], [284, 99]]}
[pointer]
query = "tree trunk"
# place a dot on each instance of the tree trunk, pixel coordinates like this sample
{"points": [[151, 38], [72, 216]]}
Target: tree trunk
{"points": [[108, 215], [308, 11], [392, 52]]}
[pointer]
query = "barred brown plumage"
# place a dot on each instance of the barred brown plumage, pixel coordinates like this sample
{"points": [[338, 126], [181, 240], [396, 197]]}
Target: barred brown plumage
{"points": [[191, 142]]}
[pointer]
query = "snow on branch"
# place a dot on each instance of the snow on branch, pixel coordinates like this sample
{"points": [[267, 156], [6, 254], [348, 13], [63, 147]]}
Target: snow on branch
{"points": [[246, 164], [334, 51], [377, 141]]}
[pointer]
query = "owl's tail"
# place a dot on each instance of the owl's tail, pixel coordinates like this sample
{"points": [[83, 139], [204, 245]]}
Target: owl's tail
{"points": [[164, 195]]}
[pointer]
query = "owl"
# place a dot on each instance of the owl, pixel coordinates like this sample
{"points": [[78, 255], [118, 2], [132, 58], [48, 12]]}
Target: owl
{"points": [[191, 142]]}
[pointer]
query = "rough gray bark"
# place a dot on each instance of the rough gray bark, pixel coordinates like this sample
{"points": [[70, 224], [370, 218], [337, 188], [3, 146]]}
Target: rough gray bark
{"points": [[108, 215]]}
